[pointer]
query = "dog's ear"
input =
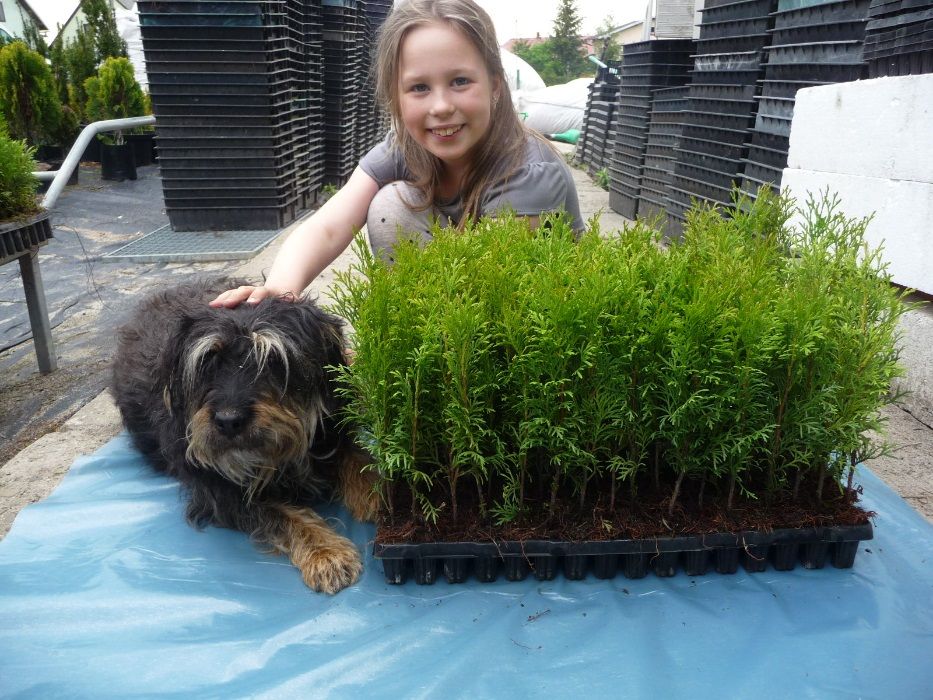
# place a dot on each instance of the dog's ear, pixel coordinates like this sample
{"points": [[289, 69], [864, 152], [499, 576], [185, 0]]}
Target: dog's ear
{"points": [[319, 333], [171, 365], [318, 339]]}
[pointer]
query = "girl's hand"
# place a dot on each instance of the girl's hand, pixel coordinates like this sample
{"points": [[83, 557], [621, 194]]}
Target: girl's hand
{"points": [[250, 295]]}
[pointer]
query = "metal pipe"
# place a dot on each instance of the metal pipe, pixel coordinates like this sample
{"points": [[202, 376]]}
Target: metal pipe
{"points": [[60, 177]]}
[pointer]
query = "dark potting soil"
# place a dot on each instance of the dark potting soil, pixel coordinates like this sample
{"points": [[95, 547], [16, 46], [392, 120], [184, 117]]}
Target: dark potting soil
{"points": [[645, 517]]}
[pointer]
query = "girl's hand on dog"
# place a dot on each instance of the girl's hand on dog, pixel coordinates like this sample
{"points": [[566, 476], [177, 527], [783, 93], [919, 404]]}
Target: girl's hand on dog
{"points": [[248, 294]]}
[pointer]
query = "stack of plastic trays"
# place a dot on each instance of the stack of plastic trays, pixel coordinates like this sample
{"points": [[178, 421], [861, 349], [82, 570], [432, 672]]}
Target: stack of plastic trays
{"points": [[344, 74], [582, 152], [812, 43], [899, 40], [232, 111], [312, 21], [664, 128], [374, 121], [646, 66], [597, 119], [726, 70]]}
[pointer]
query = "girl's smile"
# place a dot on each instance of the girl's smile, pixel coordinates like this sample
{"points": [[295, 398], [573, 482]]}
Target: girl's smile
{"points": [[445, 94]]}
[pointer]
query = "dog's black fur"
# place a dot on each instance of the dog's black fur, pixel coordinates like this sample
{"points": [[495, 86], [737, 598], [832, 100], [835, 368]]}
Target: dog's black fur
{"points": [[238, 404]]}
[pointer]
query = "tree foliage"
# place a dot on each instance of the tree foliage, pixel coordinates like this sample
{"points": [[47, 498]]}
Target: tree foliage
{"points": [[512, 365], [30, 103], [559, 58], [102, 23], [607, 49], [34, 39], [114, 93], [565, 43], [17, 183]]}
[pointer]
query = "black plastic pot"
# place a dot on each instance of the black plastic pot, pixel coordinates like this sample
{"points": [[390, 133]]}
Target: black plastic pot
{"points": [[56, 165], [696, 556], [143, 148], [91, 152], [117, 162]]}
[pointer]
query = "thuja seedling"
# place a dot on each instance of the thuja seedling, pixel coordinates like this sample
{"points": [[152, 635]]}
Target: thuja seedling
{"points": [[505, 369]]}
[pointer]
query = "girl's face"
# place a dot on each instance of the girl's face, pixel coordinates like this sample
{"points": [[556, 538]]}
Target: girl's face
{"points": [[445, 93]]}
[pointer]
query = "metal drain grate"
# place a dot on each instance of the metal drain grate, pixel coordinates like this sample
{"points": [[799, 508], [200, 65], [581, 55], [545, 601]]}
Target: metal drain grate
{"points": [[166, 245]]}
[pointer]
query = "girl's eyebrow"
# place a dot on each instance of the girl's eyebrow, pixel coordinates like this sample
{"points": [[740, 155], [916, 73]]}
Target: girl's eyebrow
{"points": [[408, 77]]}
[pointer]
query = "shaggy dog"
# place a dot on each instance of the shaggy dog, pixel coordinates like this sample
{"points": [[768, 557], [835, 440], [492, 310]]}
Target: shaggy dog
{"points": [[238, 404]]}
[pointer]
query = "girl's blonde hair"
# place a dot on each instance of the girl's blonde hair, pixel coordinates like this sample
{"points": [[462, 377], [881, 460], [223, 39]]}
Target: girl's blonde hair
{"points": [[501, 151]]}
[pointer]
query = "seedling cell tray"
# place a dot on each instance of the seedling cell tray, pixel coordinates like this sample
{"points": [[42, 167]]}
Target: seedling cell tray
{"points": [[695, 555]]}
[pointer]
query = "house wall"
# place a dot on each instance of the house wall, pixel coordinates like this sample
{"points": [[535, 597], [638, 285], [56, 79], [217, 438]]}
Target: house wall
{"points": [[631, 35], [870, 142], [15, 18]]}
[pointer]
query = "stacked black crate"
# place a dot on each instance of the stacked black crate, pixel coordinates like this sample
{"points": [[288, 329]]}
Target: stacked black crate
{"points": [[815, 44], [727, 68], [597, 119], [344, 73], [664, 128], [231, 108], [372, 124], [582, 153], [646, 66], [899, 40], [313, 19]]}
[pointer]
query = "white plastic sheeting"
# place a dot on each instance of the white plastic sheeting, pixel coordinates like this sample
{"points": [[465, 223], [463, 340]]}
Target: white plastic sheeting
{"points": [[519, 74], [557, 108], [105, 592]]}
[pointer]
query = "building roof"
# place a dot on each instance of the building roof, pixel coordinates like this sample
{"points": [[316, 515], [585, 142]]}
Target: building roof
{"points": [[36, 20], [533, 41], [620, 28]]}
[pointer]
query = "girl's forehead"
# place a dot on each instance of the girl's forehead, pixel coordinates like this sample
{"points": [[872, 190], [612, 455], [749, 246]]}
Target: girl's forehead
{"points": [[437, 45], [436, 34]]}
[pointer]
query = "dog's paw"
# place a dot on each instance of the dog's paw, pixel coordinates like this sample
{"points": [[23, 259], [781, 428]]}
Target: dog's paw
{"points": [[331, 567]]}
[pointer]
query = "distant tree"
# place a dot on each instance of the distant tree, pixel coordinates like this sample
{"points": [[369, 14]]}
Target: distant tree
{"points": [[80, 57], [541, 58], [102, 21], [607, 49], [59, 69], [34, 39], [565, 42]]}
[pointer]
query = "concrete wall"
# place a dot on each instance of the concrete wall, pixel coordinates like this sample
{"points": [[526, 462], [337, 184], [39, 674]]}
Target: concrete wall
{"points": [[871, 142]]}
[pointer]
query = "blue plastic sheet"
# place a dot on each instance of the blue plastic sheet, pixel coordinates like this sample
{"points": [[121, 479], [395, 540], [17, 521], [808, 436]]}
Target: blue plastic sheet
{"points": [[106, 592]]}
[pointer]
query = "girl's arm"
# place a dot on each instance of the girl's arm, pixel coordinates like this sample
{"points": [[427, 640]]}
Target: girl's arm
{"points": [[313, 245]]}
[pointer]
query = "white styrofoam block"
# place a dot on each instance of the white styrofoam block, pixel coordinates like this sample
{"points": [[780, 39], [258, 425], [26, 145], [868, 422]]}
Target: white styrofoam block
{"points": [[903, 212], [880, 128]]}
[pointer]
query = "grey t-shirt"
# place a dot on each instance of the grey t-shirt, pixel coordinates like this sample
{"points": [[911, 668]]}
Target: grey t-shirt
{"points": [[542, 184]]}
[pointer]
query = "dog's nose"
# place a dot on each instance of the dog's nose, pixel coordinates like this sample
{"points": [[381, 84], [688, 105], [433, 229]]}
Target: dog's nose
{"points": [[230, 421]]}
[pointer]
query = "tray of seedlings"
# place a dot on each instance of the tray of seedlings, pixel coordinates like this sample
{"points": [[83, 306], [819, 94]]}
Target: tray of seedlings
{"points": [[540, 402]]}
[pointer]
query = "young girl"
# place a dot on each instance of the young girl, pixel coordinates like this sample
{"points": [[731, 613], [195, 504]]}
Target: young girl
{"points": [[457, 149]]}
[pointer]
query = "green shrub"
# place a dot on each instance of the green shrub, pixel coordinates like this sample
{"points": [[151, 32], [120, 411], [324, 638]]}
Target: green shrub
{"points": [[751, 357], [17, 183], [602, 178], [114, 94], [30, 103]]}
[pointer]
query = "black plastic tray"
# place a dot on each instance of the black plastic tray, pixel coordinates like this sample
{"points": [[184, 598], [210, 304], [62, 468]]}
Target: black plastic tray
{"points": [[696, 555]]}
